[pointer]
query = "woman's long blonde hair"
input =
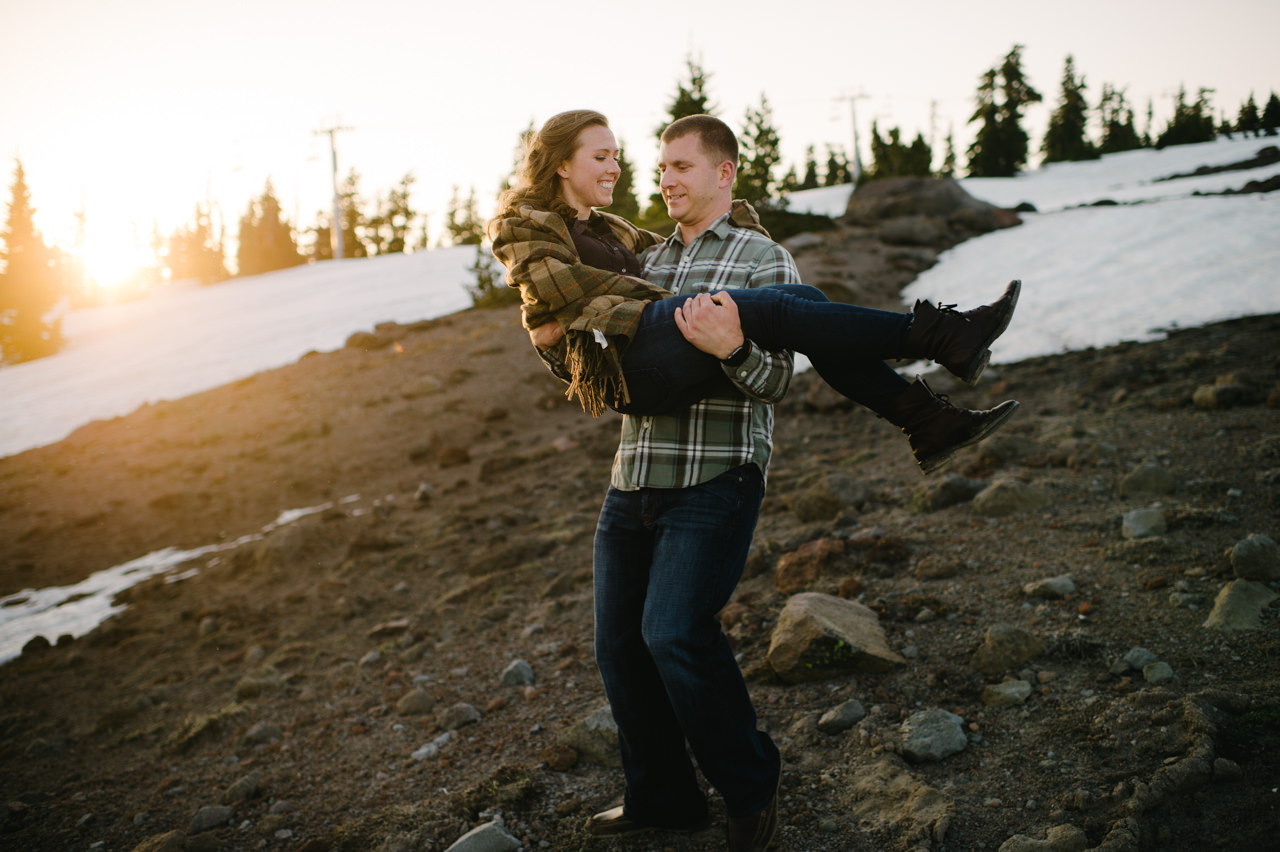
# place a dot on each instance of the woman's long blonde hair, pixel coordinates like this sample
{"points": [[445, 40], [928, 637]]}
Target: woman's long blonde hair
{"points": [[544, 152]]}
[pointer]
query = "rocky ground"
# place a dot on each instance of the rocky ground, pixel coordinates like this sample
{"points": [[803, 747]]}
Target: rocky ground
{"points": [[353, 681]]}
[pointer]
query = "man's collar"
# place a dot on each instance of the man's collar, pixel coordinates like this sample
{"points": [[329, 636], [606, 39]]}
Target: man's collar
{"points": [[720, 227]]}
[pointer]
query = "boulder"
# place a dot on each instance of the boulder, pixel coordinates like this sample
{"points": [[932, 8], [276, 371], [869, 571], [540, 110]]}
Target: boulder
{"points": [[819, 636], [1256, 558], [941, 200], [595, 738], [1239, 606]]}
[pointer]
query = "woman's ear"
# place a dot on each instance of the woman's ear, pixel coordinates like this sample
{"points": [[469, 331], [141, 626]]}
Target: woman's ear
{"points": [[563, 171]]}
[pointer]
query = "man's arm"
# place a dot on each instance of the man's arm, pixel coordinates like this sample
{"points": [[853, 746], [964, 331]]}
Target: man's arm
{"points": [[710, 322]]}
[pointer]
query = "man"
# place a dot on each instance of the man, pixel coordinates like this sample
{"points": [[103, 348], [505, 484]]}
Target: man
{"points": [[677, 524]]}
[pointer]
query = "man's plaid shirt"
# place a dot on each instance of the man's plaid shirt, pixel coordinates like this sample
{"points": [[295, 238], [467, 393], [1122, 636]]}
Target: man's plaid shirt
{"points": [[724, 431]]}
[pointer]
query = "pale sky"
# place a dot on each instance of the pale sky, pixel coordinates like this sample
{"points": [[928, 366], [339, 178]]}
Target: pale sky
{"points": [[142, 109]]}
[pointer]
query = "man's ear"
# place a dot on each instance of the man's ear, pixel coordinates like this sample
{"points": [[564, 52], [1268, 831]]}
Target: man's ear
{"points": [[728, 169]]}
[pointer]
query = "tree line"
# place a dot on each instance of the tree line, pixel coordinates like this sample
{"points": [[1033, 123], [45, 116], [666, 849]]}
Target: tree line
{"points": [[34, 275]]}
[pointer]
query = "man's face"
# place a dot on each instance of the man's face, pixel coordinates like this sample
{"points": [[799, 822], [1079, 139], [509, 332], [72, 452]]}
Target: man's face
{"points": [[694, 186]]}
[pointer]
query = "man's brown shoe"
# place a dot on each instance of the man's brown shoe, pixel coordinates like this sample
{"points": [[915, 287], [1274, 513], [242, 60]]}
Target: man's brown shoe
{"points": [[755, 833], [615, 823]]}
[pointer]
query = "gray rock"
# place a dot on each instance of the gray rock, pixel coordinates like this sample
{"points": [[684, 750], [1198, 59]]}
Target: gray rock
{"points": [[1052, 588], [932, 735], [1144, 523], [1006, 647], [517, 673], [490, 837], [1006, 497], [263, 733], [1008, 694], [248, 787], [839, 719], [262, 682], [415, 702], [1256, 558], [951, 490], [1138, 658], [1061, 838], [1239, 606], [1148, 479], [1157, 673], [211, 817], [459, 715], [432, 748], [594, 738], [818, 636], [828, 495]]}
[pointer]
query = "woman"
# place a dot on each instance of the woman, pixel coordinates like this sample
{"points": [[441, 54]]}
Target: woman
{"points": [[617, 339]]}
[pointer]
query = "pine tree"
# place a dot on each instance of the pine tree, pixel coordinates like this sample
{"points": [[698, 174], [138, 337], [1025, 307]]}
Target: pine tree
{"points": [[1190, 123], [352, 219], [760, 155], [837, 172], [29, 284], [810, 179], [195, 251], [1248, 120], [462, 220], [625, 203], [1116, 118], [266, 237], [1271, 115], [387, 230], [1000, 148], [691, 96], [1066, 137], [949, 159], [894, 158]]}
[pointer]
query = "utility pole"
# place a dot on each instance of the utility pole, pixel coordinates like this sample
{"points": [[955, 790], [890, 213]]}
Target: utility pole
{"points": [[335, 227], [856, 164]]}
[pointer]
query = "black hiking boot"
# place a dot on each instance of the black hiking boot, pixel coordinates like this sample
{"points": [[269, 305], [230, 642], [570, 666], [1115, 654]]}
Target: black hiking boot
{"points": [[960, 342], [937, 429]]}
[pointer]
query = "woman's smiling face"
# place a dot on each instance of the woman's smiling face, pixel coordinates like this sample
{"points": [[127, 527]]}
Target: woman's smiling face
{"points": [[587, 179]]}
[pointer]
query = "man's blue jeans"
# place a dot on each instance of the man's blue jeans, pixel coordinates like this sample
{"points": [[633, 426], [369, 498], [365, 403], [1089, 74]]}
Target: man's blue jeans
{"points": [[666, 562], [847, 345]]}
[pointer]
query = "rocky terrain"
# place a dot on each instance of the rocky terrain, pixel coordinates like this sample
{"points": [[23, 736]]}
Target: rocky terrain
{"points": [[1065, 641]]}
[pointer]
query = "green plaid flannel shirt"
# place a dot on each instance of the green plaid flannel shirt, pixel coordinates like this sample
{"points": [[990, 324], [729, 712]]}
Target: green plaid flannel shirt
{"points": [[724, 431]]}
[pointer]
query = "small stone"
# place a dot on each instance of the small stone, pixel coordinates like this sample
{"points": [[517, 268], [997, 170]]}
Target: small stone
{"points": [[1007, 694], [560, 757], [933, 735], [415, 703], [459, 715], [263, 733], [839, 719], [1139, 658], [1051, 588], [1157, 673], [517, 673], [210, 817], [1256, 558], [1144, 523]]}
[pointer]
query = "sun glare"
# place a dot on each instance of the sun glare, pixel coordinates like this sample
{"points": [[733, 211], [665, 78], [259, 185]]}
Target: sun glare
{"points": [[112, 260]]}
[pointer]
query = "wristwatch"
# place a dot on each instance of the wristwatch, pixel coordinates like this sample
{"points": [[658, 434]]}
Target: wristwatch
{"points": [[737, 356]]}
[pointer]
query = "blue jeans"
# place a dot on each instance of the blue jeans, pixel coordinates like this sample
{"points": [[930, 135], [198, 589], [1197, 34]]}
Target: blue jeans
{"points": [[666, 562], [846, 344]]}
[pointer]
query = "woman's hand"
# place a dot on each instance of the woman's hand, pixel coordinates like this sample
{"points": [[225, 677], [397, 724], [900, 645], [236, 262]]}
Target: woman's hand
{"points": [[546, 335], [710, 322]]}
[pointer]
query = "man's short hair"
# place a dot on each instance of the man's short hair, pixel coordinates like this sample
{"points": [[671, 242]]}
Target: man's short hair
{"points": [[714, 136]]}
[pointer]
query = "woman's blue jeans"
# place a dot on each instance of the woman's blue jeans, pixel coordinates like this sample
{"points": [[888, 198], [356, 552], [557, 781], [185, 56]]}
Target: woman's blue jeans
{"points": [[666, 562], [846, 344]]}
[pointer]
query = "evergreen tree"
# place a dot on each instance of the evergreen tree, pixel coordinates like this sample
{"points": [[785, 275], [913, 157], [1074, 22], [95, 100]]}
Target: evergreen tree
{"points": [[1116, 118], [321, 247], [195, 251], [266, 237], [760, 155], [387, 230], [29, 283], [894, 158], [1190, 123], [462, 220], [1248, 120], [353, 220], [1066, 138], [691, 96], [1271, 115], [949, 159], [625, 203], [810, 179], [1000, 148], [837, 172], [790, 181]]}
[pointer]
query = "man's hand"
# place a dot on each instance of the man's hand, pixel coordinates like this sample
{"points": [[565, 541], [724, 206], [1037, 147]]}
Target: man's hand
{"points": [[710, 322], [546, 335]]}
